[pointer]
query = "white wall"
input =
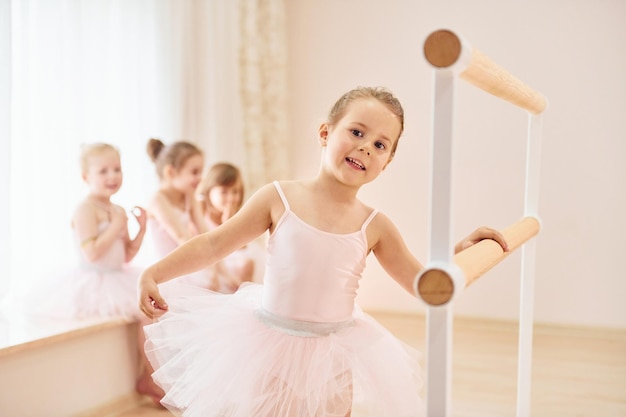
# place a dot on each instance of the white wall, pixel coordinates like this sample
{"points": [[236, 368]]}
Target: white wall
{"points": [[572, 52], [5, 130]]}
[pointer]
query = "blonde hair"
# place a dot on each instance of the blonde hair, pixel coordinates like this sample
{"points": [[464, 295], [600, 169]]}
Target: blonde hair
{"points": [[221, 174], [174, 154], [91, 149], [381, 94]]}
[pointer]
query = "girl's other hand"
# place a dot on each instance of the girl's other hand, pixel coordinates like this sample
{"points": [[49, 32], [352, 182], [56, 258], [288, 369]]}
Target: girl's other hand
{"points": [[480, 234], [141, 215]]}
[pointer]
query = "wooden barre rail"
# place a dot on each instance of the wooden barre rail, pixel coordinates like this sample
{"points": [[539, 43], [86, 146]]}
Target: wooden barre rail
{"points": [[436, 286], [443, 49]]}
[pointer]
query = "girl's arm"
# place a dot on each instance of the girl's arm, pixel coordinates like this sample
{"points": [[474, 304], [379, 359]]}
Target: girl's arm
{"points": [[133, 245], [392, 253], [169, 218], [399, 262], [204, 250], [94, 244]]}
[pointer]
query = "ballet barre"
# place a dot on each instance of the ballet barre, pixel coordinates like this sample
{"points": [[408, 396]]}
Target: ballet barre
{"points": [[445, 274], [436, 287], [444, 49]]}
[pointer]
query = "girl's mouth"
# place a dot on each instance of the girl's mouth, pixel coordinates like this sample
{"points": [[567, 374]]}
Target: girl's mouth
{"points": [[357, 164]]}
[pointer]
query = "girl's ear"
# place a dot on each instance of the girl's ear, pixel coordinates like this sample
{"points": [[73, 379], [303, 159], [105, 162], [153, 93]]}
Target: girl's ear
{"points": [[323, 134], [168, 171]]}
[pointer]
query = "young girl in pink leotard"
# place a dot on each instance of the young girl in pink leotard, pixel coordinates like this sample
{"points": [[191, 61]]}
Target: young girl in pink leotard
{"points": [[174, 214], [296, 345], [104, 284], [221, 195]]}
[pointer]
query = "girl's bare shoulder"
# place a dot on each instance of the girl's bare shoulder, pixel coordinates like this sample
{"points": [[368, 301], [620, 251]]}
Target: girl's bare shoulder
{"points": [[85, 207], [85, 214], [267, 195], [379, 228], [381, 221], [290, 185], [266, 201], [158, 201]]}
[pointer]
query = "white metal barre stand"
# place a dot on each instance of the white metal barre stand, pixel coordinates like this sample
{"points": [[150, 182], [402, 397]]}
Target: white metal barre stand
{"points": [[456, 58]]}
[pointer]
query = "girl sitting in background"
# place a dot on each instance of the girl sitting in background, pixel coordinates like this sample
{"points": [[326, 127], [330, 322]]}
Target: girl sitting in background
{"points": [[221, 193], [104, 285], [174, 214], [101, 229]]}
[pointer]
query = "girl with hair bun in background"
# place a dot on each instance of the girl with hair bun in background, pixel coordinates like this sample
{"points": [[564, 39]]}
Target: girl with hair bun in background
{"points": [[174, 214]]}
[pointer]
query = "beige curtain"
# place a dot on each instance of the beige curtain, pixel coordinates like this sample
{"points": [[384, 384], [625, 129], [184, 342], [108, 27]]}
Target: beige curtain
{"points": [[232, 72], [263, 90]]}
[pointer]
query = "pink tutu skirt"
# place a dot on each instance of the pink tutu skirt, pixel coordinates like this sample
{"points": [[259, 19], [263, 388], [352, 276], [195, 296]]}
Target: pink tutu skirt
{"points": [[87, 292], [224, 356]]}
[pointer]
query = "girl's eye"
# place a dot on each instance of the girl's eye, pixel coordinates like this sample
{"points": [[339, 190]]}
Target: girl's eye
{"points": [[380, 145], [357, 133]]}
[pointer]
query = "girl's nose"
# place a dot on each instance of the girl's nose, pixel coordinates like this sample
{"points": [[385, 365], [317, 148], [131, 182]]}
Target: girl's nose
{"points": [[362, 149]]}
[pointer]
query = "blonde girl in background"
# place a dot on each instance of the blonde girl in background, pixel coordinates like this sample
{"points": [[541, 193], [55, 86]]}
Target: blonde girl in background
{"points": [[296, 345], [101, 231], [174, 214], [221, 194], [104, 285]]}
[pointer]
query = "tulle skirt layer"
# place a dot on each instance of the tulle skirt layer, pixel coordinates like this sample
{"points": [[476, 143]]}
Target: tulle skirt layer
{"points": [[222, 355], [87, 293]]}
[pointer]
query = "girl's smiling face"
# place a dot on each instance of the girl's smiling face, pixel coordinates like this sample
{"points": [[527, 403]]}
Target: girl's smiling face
{"points": [[226, 197], [360, 144], [188, 177], [104, 173]]}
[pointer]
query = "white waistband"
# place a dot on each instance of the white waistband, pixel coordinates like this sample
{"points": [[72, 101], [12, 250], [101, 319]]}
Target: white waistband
{"points": [[301, 328]]}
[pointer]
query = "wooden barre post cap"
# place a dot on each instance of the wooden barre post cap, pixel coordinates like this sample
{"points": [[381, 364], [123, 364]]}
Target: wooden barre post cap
{"points": [[442, 48], [435, 287]]}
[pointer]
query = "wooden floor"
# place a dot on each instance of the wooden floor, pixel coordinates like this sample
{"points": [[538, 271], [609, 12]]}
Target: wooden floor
{"points": [[576, 372]]}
